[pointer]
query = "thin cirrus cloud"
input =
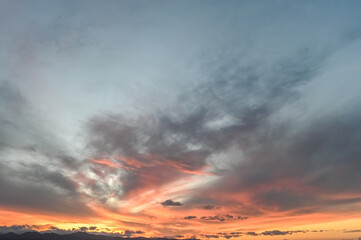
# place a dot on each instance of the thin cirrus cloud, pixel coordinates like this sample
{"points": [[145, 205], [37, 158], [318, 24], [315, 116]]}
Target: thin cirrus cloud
{"points": [[179, 119]]}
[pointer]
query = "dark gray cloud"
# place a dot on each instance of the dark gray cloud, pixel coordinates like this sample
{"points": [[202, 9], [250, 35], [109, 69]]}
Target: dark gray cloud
{"points": [[210, 236], [129, 233], [323, 157], [222, 218], [279, 233], [211, 207], [252, 233], [188, 136], [170, 202], [47, 192], [190, 217], [229, 235], [245, 98], [27, 150], [240, 119], [18, 228], [244, 105]]}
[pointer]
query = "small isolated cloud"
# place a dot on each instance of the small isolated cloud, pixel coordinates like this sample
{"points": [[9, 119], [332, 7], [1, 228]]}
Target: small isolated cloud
{"points": [[222, 218], [211, 207], [170, 202], [190, 217], [279, 233]]}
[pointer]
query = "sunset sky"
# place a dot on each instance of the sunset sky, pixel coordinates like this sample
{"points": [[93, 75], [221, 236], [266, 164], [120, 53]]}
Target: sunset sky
{"points": [[181, 119]]}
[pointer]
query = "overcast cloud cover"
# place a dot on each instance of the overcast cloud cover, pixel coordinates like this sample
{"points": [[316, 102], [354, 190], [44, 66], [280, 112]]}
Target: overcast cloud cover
{"points": [[188, 112]]}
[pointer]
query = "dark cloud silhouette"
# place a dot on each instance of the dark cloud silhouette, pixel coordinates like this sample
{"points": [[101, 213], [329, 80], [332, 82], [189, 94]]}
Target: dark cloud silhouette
{"points": [[229, 235], [129, 233], [252, 233], [279, 233], [222, 218], [211, 207], [170, 202], [18, 228], [26, 188], [190, 217], [210, 236]]}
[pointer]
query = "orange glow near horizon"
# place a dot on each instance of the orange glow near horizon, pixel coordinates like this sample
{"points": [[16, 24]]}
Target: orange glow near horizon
{"points": [[142, 211]]}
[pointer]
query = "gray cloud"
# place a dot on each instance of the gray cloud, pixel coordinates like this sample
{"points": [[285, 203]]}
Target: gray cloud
{"points": [[211, 207], [170, 202], [240, 106], [252, 233], [222, 218], [27, 150], [129, 233], [229, 235], [17, 228], [23, 188], [279, 233], [187, 137], [210, 236]]}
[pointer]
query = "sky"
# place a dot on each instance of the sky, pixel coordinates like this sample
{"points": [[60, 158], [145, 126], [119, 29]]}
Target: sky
{"points": [[181, 119]]}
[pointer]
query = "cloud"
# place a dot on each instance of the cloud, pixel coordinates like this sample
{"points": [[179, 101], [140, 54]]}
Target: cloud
{"points": [[27, 149], [210, 236], [211, 207], [17, 228], [243, 110], [26, 189], [252, 233], [229, 235], [243, 107], [280, 233], [239, 122], [170, 202], [129, 233], [222, 218]]}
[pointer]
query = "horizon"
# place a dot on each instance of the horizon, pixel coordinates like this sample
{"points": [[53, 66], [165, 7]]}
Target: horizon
{"points": [[186, 119]]}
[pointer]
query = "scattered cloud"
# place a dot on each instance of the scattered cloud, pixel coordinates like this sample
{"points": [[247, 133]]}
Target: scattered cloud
{"points": [[170, 202]]}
